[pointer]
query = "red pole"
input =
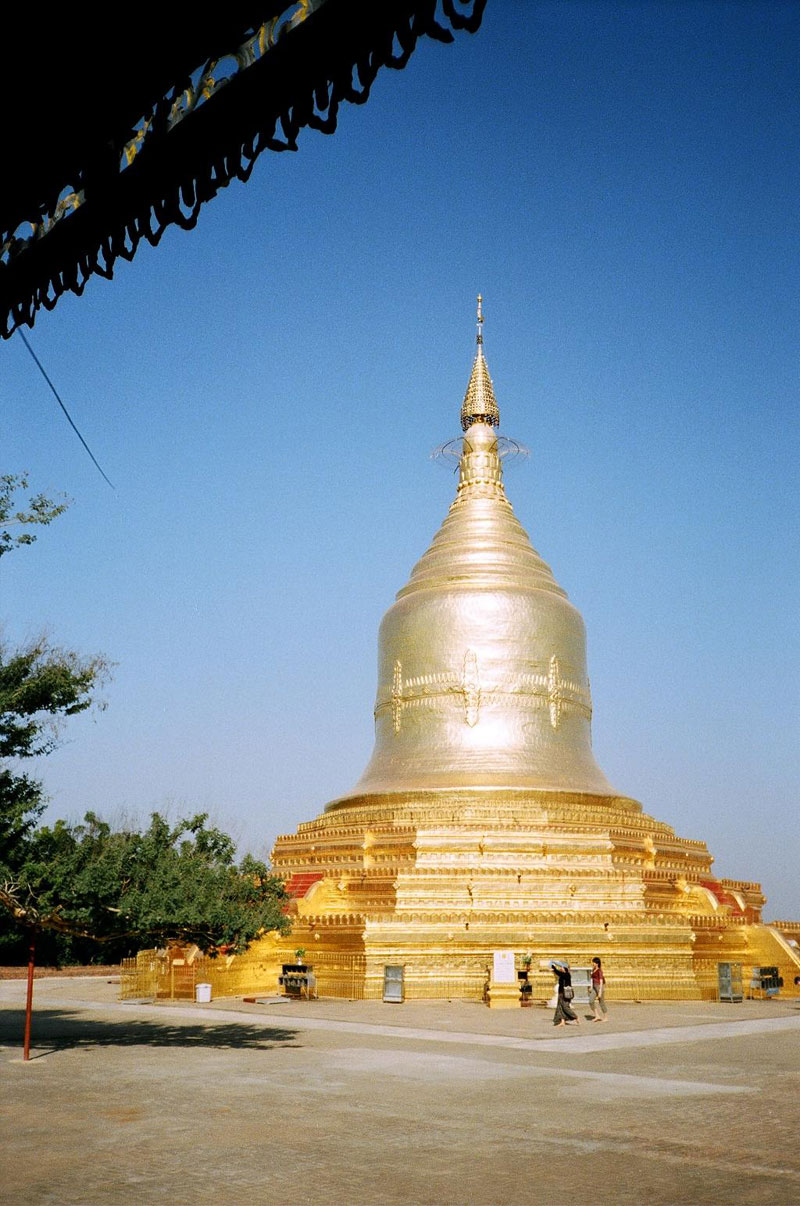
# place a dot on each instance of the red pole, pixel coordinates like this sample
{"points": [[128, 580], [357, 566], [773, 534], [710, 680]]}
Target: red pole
{"points": [[26, 1053]]}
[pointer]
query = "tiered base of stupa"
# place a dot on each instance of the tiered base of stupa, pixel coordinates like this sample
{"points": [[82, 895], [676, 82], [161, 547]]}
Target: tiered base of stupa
{"points": [[439, 881]]}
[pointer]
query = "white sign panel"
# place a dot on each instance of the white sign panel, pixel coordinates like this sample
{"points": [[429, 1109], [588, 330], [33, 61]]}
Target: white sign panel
{"points": [[503, 971]]}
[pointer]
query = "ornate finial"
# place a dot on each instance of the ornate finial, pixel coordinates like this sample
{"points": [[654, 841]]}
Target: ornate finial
{"points": [[479, 405]]}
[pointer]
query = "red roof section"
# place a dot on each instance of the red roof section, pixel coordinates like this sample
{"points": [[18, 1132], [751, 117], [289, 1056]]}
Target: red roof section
{"points": [[724, 898], [297, 885]]}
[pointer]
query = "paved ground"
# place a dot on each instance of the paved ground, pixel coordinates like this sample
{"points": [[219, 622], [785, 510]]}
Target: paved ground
{"points": [[366, 1104]]}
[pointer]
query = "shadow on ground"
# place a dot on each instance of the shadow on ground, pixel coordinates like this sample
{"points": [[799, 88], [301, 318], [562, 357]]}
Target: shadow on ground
{"points": [[60, 1029]]}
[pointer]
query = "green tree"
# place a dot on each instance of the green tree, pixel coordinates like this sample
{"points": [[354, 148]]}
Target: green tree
{"points": [[41, 510], [40, 685], [169, 883]]}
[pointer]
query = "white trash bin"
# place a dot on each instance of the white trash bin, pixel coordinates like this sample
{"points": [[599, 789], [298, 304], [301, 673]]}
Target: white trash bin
{"points": [[202, 993]]}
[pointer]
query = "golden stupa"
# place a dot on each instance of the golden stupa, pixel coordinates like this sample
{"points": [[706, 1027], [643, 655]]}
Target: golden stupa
{"points": [[482, 822]]}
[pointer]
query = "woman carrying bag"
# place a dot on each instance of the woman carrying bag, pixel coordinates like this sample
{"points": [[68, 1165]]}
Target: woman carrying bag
{"points": [[564, 1012]]}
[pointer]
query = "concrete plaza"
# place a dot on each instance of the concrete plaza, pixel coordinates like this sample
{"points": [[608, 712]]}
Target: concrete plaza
{"points": [[367, 1104]]}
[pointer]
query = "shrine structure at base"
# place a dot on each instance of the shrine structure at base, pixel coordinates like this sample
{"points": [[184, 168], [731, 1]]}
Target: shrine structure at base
{"points": [[482, 822]]}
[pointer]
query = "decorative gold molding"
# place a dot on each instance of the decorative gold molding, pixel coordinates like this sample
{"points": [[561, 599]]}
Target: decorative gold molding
{"points": [[397, 696], [471, 686], [550, 688]]}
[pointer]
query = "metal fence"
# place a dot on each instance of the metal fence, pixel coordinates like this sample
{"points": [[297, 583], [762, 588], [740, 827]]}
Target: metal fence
{"points": [[157, 974], [139, 977], [342, 976]]}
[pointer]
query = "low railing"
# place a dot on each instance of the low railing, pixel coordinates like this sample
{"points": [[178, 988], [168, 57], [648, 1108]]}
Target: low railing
{"points": [[139, 977], [153, 974]]}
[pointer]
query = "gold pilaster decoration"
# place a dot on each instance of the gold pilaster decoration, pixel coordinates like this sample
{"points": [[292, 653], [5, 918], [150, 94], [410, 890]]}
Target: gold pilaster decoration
{"points": [[397, 696], [472, 688], [554, 692]]}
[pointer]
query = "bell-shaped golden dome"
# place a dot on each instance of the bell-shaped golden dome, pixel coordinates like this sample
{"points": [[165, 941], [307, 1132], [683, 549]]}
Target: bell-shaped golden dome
{"points": [[482, 663]]}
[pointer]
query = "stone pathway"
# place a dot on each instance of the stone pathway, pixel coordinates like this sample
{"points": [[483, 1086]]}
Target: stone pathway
{"points": [[362, 1104]]}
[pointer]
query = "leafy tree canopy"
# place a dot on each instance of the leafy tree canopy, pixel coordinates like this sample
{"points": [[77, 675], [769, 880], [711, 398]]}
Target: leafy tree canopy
{"points": [[39, 684], [168, 883], [40, 510]]}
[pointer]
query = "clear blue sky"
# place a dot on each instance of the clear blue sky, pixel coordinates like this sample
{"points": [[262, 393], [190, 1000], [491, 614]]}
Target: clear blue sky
{"points": [[621, 182]]}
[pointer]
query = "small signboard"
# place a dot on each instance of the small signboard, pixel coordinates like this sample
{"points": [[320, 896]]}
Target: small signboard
{"points": [[503, 969], [581, 983]]}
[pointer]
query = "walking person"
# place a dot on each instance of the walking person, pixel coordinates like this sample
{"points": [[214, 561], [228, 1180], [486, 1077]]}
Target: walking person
{"points": [[597, 992], [564, 1012]]}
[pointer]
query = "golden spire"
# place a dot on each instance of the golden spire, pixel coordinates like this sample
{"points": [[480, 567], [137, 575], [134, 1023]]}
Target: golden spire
{"points": [[479, 405], [482, 658]]}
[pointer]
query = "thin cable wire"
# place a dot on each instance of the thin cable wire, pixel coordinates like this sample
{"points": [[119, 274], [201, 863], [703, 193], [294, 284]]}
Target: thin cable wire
{"points": [[63, 407]]}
